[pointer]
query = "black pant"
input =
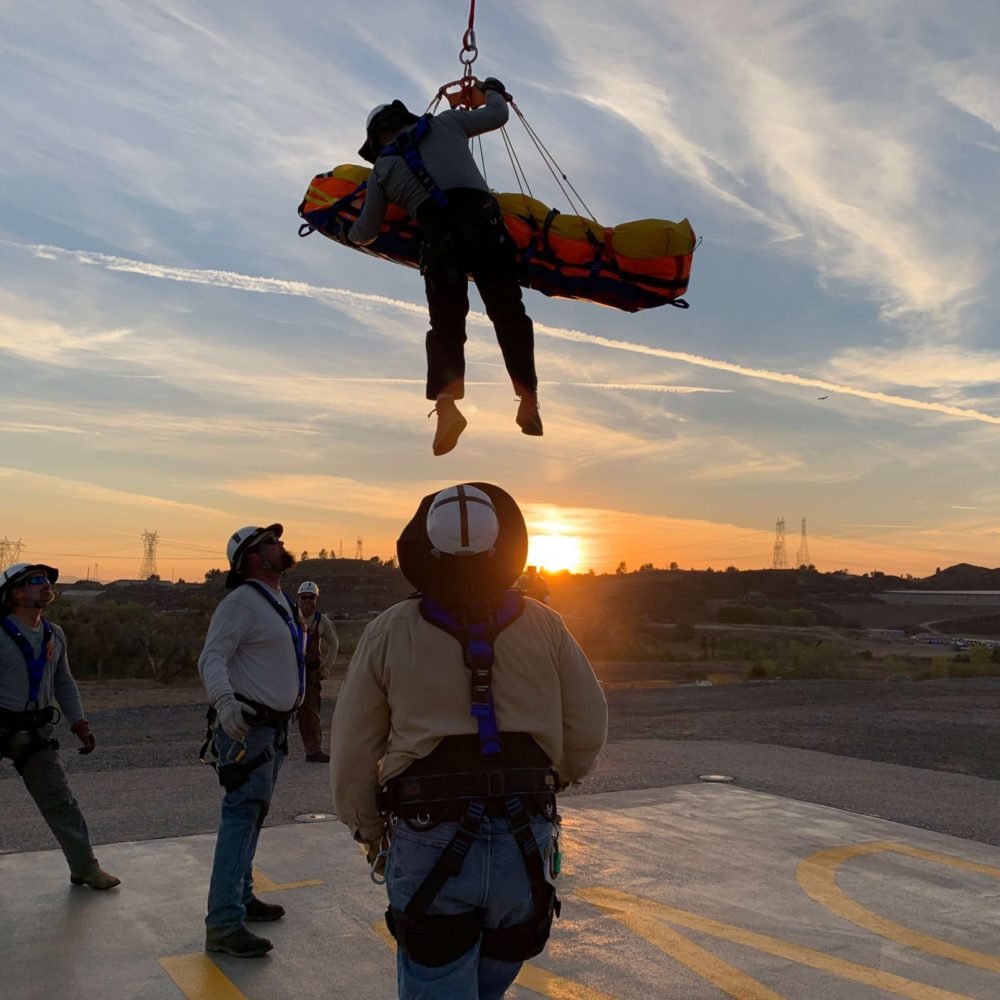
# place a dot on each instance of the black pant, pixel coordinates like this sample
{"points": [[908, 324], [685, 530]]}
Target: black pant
{"points": [[469, 237]]}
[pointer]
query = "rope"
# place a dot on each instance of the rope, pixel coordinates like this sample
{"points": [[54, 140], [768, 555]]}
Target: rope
{"points": [[554, 167], [482, 158], [515, 163]]}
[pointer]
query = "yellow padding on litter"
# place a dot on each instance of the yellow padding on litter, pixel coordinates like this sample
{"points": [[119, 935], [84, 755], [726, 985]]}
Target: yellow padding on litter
{"points": [[575, 227], [522, 205], [648, 238]]}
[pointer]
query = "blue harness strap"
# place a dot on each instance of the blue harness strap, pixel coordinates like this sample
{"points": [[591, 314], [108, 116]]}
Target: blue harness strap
{"points": [[476, 638], [35, 664], [407, 146], [295, 629]]}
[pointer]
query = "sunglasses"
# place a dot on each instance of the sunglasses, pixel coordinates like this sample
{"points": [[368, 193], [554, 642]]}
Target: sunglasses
{"points": [[37, 580]]}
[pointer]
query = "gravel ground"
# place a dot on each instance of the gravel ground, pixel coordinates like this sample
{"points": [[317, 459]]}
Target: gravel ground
{"points": [[916, 753]]}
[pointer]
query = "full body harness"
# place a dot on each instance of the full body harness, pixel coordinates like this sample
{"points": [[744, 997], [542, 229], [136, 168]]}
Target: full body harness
{"points": [[465, 216], [33, 719], [236, 773], [515, 792]]}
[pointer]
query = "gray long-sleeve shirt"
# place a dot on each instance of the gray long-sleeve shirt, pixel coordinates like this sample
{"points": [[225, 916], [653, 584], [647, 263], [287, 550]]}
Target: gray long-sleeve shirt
{"points": [[248, 650], [446, 155], [57, 686]]}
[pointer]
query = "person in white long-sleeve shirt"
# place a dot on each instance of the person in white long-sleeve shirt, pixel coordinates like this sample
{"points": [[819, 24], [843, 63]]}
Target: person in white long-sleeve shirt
{"points": [[253, 668]]}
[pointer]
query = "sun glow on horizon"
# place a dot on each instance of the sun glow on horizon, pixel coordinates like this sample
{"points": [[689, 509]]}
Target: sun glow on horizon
{"points": [[553, 552]]}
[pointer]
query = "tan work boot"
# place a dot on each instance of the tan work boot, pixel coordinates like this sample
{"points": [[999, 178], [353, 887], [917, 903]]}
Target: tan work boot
{"points": [[528, 418], [450, 424], [96, 877]]}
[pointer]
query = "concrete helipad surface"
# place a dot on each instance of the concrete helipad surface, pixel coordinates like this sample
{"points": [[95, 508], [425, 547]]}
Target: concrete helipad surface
{"points": [[695, 892]]}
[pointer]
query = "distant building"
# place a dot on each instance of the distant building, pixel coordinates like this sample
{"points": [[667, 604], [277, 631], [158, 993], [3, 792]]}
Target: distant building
{"points": [[951, 597]]}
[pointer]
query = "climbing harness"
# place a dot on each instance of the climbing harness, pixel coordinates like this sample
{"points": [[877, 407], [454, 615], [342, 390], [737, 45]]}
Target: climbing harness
{"points": [[513, 780], [294, 627], [235, 772], [33, 719]]}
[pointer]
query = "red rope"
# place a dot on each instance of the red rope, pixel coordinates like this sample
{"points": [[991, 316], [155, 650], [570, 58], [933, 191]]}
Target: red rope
{"points": [[472, 15]]}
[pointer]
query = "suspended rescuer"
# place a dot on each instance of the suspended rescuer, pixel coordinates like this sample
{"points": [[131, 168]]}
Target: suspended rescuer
{"points": [[425, 165], [34, 679], [321, 654], [253, 668], [464, 710]]}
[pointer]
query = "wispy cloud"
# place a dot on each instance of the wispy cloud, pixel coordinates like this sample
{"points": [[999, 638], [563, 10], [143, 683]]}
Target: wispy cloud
{"points": [[781, 129], [345, 297]]}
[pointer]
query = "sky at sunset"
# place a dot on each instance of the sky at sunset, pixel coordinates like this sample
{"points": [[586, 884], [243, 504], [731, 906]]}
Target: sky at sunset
{"points": [[175, 359]]}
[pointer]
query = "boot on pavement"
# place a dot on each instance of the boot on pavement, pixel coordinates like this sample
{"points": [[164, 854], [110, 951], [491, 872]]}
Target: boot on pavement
{"points": [[241, 943], [96, 877], [260, 911]]}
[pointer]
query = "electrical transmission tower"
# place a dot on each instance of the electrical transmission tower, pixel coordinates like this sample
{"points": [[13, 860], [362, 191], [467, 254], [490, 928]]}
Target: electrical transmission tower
{"points": [[802, 556], [359, 551], [10, 552], [148, 568], [780, 560]]}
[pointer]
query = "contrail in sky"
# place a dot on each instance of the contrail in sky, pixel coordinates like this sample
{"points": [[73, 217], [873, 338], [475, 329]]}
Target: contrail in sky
{"points": [[281, 286]]}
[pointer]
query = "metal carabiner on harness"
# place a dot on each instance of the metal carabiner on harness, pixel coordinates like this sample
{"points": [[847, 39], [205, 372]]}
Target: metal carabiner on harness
{"points": [[377, 873]]}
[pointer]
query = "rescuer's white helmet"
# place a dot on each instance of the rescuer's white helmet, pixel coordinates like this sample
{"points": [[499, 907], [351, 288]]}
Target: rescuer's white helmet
{"points": [[14, 574], [462, 521], [240, 543], [375, 112], [308, 587]]}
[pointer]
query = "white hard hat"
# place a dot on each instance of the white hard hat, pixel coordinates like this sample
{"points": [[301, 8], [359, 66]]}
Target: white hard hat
{"points": [[308, 587], [375, 112], [240, 543], [16, 572], [462, 521]]}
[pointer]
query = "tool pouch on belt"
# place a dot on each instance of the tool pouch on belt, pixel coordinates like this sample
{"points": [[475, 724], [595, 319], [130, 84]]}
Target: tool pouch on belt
{"points": [[236, 774], [31, 722], [435, 940], [526, 940]]}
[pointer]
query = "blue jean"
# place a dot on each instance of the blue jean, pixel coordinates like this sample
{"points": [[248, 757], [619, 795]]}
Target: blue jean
{"points": [[493, 879], [243, 814]]}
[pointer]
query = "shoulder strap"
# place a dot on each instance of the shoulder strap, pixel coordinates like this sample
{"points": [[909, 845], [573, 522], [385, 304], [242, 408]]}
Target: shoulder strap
{"points": [[406, 145], [476, 636], [35, 664], [293, 623]]}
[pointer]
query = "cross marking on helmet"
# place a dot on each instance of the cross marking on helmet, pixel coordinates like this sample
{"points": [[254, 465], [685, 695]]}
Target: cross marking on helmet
{"points": [[463, 500]]}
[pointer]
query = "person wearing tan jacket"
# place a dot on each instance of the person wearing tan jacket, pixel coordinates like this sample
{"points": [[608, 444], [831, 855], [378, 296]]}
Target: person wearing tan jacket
{"points": [[463, 711]]}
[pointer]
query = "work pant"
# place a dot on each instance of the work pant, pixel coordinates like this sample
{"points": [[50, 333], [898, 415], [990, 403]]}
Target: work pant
{"points": [[493, 878], [45, 779], [480, 245], [310, 726], [243, 814]]}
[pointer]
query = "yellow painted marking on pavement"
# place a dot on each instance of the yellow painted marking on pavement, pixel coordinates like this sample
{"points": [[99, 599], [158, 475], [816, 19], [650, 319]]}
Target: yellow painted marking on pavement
{"points": [[199, 978], [261, 883], [548, 984], [531, 977], [817, 875], [732, 981], [625, 907]]}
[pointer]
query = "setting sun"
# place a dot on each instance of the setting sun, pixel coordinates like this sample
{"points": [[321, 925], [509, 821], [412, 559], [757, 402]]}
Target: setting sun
{"points": [[554, 552]]}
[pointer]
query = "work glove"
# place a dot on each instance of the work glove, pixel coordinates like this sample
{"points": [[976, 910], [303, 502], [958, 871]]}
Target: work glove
{"points": [[233, 717], [492, 83], [84, 735]]}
